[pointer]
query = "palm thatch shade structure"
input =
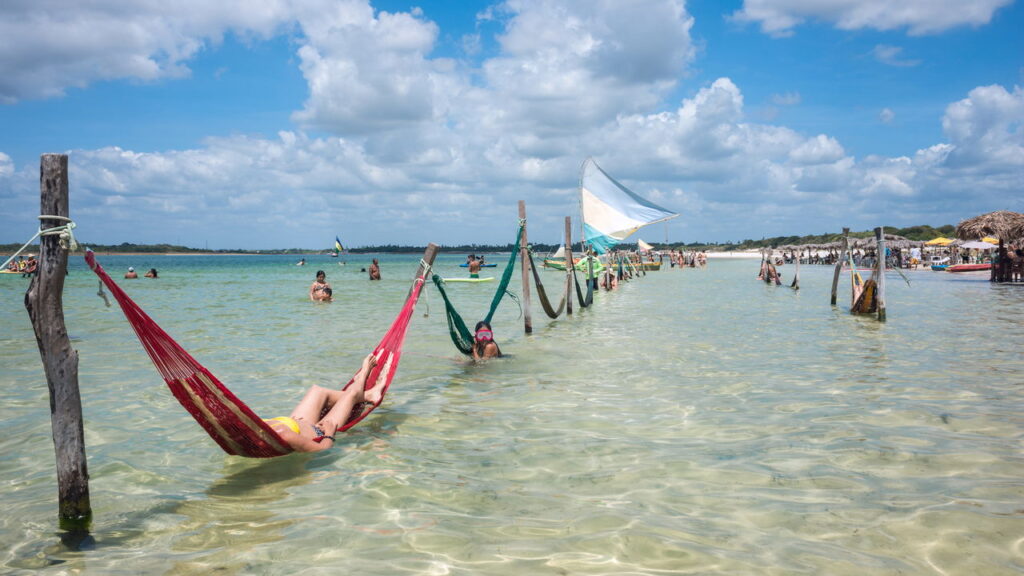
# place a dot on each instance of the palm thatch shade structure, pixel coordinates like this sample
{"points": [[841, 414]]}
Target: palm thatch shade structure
{"points": [[1002, 224], [891, 240]]}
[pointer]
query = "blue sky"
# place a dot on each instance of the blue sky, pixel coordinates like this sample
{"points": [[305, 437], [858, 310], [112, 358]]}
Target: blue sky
{"points": [[282, 124]]}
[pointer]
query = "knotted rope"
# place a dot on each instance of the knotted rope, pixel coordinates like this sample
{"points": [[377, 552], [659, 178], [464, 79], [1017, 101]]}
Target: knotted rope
{"points": [[67, 237]]}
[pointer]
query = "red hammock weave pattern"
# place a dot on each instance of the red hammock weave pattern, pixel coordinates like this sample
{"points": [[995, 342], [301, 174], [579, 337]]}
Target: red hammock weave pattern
{"points": [[232, 424]]}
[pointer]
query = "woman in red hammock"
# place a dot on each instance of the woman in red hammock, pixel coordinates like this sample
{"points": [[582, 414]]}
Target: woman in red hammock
{"points": [[313, 422]]}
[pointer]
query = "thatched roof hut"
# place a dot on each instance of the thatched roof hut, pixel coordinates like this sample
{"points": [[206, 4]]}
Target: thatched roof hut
{"points": [[1002, 224], [891, 240]]}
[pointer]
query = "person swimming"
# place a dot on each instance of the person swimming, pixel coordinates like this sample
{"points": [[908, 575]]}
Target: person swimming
{"points": [[484, 345]]}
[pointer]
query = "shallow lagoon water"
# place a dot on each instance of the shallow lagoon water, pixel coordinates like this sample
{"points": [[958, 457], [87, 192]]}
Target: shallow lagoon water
{"points": [[694, 421]]}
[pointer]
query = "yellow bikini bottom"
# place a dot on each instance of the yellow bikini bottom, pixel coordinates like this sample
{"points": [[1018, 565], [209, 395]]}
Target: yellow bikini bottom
{"points": [[287, 421]]}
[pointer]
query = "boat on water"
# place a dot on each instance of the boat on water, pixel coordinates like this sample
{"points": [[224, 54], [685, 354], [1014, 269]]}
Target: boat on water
{"points": [[579, 263], [466, 265], [939, 267], [967, 267], [470, 280]]}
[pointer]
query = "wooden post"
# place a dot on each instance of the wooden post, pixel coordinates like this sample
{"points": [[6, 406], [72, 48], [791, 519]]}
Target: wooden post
{"points": [[568, 265], [839, 263], [880, 242], [428, 258], [524, 263], [796, 274], [45, 305]]}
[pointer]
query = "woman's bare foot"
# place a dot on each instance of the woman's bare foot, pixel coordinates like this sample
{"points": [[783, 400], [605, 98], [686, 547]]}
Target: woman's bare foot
{"points": [[374, 393]]}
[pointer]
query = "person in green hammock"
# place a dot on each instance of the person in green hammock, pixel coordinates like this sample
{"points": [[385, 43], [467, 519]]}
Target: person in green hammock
{"points": [[316, 418], [484, 345]]}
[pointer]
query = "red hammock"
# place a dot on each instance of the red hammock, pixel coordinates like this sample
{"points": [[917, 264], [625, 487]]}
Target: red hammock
{"points": [[234, 426]]}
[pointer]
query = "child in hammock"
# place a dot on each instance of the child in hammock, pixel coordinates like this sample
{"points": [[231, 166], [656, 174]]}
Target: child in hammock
{"points": [[484, 345], [316, 418]]}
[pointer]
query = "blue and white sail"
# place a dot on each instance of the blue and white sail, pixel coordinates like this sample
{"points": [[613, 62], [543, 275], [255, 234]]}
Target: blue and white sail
{"points": [[611, 212]]}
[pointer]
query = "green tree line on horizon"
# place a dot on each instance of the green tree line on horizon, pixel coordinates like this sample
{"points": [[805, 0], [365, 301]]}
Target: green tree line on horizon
{"points": [[921, 233]]}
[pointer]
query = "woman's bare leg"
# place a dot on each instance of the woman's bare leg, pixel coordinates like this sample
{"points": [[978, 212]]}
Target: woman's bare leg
{"points": [[308, 409], [339, 412]]}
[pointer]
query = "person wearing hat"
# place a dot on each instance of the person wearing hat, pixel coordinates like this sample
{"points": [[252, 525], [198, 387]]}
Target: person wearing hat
{"points": [[131, 273]]}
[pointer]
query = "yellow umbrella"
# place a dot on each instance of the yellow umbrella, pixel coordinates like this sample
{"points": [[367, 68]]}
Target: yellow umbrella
{"points": [[991, 240], [940, 241]]}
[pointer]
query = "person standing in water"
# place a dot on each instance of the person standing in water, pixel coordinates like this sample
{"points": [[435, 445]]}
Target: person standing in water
{"points": [[320, 290], [374, 270], [474, 267]]}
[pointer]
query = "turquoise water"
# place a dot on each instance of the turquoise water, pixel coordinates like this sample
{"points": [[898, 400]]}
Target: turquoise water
{"points": [[694, 421]]}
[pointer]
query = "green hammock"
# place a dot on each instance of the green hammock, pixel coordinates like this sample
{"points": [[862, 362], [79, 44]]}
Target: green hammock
{"points": [[542, 293], [460, 333]]}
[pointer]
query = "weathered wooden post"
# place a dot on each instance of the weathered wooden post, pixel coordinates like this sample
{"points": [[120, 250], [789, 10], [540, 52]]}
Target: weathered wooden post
{"points": [[796, 274], [524, 264], [880, 241], [568, 265], [839, 263], [45, 305]]}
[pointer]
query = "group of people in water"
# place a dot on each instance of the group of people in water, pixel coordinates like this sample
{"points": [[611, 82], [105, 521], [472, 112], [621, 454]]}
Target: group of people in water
{"points": [[24, 266], [131, 273], [484, 345]]}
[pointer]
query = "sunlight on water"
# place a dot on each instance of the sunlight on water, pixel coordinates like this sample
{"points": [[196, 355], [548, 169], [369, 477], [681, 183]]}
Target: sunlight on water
{"points": [[694, 421]]}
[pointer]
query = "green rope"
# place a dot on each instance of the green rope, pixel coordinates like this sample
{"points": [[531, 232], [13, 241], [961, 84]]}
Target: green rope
{"points": [[461, 336], [506, 276]]}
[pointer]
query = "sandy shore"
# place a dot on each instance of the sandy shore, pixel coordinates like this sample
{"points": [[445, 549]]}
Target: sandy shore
{"points": [[737, 254]]}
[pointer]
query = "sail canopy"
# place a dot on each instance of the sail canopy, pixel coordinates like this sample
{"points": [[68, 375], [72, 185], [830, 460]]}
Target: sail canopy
{"points": [[611, 212]]}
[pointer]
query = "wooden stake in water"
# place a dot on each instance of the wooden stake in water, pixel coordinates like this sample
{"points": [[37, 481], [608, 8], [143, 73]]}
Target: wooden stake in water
{"points": [[568, 265], [839, 263], [880, 241], [524, 263], [796, 275], [44, 302]]}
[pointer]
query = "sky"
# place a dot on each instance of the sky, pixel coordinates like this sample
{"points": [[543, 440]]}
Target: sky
{"points": [[285, 123]]}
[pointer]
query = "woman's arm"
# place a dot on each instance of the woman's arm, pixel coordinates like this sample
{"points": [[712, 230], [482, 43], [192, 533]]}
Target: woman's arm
{"points": [[300, 443]]}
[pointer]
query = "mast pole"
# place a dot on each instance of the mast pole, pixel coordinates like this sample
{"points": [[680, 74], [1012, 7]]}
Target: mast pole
{"points": [[583, 231]]}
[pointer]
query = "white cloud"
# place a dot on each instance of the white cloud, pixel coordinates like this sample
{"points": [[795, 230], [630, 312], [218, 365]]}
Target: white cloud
{"points": [[47, 46], [432, 146], [890, 56], [6, 166], [918, 17], [886, 116], [787, 99]]}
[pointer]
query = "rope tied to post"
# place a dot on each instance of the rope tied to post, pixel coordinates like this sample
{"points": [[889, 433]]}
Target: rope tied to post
{"points": [[67, 237]]}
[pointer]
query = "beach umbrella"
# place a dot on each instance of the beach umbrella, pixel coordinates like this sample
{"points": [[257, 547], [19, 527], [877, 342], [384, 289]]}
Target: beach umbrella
{"points": [[940, 241], [1001, 224], [978, 245], [990, 240]]}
